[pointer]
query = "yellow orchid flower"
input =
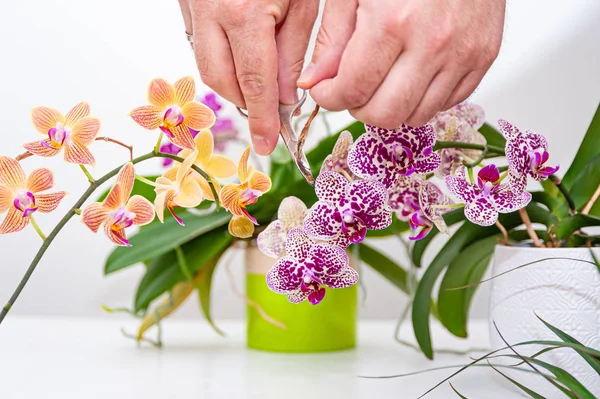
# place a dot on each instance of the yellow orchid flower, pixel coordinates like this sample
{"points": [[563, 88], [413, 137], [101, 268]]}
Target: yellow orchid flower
{"points": [[173, 110], [178, 187], [215, 165], [236, 197], [74, 131], [20, 196], [118, 211]]}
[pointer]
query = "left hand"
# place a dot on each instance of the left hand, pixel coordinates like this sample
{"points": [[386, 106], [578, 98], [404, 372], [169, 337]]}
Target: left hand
{"points": [[391, 62]]}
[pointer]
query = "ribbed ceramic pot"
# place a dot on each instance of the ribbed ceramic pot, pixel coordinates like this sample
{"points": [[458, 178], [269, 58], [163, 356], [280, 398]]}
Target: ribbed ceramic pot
{"points": [[328, 326], [564, 292]]}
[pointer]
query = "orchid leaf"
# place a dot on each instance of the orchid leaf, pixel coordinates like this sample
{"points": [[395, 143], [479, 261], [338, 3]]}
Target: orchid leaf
{"points": [[492, 136], [570, 224], [466, 268], [157, 239], [458, 393], [203, 283], [588, 150], [383, 265], [451, 218], [522, 387]]}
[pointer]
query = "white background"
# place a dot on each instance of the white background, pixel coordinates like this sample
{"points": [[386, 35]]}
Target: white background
{"points": [[60, 52]]}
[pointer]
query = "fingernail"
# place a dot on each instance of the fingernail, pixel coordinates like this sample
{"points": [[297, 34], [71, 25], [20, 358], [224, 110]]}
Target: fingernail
{"points": [[307, 74], [261, 145]]}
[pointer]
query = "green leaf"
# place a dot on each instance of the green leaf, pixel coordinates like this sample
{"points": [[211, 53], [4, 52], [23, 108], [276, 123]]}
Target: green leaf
{"points": [[420, 246], [588, 150], [544, 198], [139, 188], [203, 284], [397, 227], [389, 269], [591, 360], [492, 136], [466, 268], [157, 239], [464, 236], [586, 184], [164, 272], [458, 393], [522, 387], [570, 224]]}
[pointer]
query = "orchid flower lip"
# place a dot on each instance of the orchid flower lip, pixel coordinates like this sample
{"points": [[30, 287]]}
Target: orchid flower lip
{"points": [[177, 218]]}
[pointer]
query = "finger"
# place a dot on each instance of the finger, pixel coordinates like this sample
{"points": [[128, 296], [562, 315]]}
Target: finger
{"points": [[464, 88], [252, 40], [214, 59], [337, 25], [435, 97], [292, 41], [400, 92], [359, 77], [187, 15]]}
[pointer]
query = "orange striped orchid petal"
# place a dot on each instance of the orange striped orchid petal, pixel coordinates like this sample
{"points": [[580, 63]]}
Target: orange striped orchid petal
{"points": [[85, 130], [11, 173], [190, 194], [14, 221], [48, 202], [182, 137], [46, 118], [41, 150], [206, 191], [243, 172], [6, 199], [204, 144], [241, 227], [143, 209], [114, 198], [197, 115], [220, 167], [185, 90], [161, 93], [148, 116], [126, 178], [116, 233], [79, 111], [185, 167], [259, 181], [160, 202], [78, 153], [39, 180], [231, 198], [93, 215]]}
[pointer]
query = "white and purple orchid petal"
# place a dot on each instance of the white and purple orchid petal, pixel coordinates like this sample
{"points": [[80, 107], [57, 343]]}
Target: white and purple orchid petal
{"points": [[341, 240], [291, 213], [330, 186], [366, 196], [297, 296], [404, 196], [488, 173], [271, 241], [298, 244], [380, 221], [459, 186], [346, 278], [481, 211], [356, 232], [536, 141], [421, 234], [368, 157], [285, 276], [323, 221], [316, 296], [326, 260], [507, 201], [338, 160], [428, 164], [546, 171]]}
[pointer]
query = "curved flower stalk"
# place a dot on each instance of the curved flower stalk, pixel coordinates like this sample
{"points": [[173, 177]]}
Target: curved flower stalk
{"points": [[20, 195], [484, 200], [421, 203], [337, 161], [74, 132], [173, 110], [527, 154], [308, 268], [236, 197], [346, 210], [180, 186], [290, 215], [386, 154], [118, 211]]}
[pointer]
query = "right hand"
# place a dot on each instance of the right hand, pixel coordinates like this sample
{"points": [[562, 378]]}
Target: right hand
{"points": [[251, 52]]}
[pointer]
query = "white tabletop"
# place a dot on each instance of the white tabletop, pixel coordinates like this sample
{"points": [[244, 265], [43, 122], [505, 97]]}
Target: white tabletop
{"points": [[89, 358]]}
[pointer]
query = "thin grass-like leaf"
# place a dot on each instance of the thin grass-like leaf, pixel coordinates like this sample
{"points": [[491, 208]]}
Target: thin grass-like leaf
{"points": [[522, 387], [458, 393]]}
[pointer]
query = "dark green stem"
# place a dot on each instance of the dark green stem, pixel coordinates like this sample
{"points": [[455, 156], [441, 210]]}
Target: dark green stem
{"points": [[558, 183], [471, 146]]}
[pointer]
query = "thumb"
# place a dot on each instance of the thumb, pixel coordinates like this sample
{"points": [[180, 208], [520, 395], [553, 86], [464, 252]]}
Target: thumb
{"points": [[337, 26]]}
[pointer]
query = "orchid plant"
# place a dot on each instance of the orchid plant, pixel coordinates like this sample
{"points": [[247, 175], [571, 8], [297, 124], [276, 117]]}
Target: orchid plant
{"points": [[372, 182]]}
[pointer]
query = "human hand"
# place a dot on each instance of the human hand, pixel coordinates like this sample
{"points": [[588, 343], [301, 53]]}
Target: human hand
{"points": [[391, 62], [251, 52]]}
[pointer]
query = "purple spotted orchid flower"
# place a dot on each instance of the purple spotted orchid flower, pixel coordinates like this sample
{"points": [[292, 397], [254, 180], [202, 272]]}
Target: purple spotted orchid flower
{"points": [[308, 268], [386, 154], [223, 129], [527, 154], [346, 210], [290, 215], [420, 203], [469, 113], [452, 158], [484, 200], [337, 161]]}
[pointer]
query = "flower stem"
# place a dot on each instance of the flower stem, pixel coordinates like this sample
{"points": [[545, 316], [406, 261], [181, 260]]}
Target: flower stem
{"points": [[530, 230], [446, 206], [471, 146], [144, 180], [87, 174], [502, 229], [157, 146], [471, 178], [37, 228], [558, 183], [109, 140], [503, 176], [24, 155], [592, 201]]}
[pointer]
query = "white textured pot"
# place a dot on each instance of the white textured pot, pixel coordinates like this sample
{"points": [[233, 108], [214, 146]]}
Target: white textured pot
{"points": [[564, 292]]}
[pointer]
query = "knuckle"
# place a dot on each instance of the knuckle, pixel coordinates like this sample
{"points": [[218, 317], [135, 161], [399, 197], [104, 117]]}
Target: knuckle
{"points": [[442, 36], [252, 85], [356, 96], [235, 13]]}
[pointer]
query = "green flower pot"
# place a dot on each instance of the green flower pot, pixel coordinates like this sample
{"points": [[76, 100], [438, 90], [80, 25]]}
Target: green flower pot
{"points": [[328, 326]]}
